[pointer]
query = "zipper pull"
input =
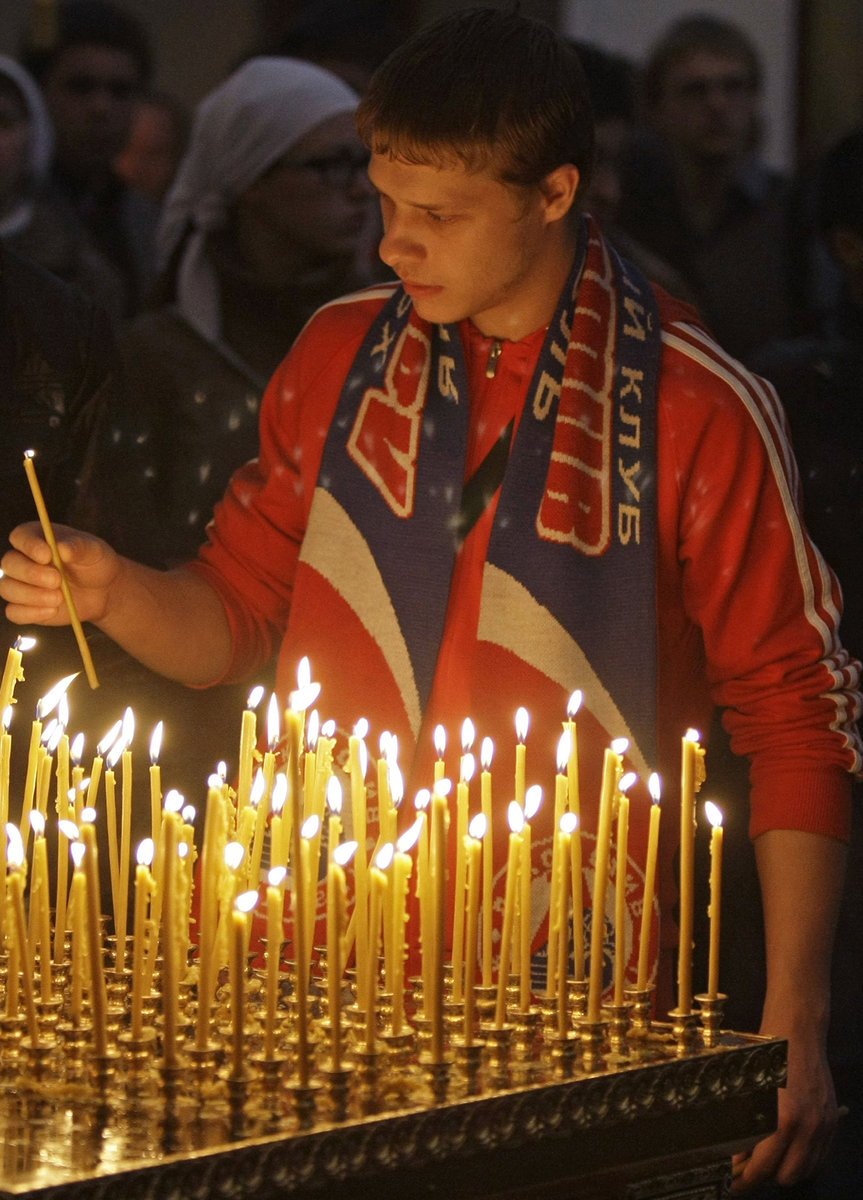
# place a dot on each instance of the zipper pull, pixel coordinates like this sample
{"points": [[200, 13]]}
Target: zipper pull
{"points": [[493, 356]]}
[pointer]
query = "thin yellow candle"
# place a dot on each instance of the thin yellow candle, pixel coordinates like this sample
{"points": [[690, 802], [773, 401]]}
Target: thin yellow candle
{"points": [[533, 799], [170, 964], [691, 778], [620, 877], [40, 905], [655, 790], [386, 815], [278, 855], [358, 760], [48, 534], [522, 723], [377, 891], [401, 873], [248, 737], [439, 738], [573, 793], [243, 905], [486, 755], [78, 902], [112, 827], [513, 863], [15, 901], [611, 771], [125, 841], [33, 759], [310, 764], [334, 824], [560, 806], [98, 995], [714, 816], [298, 882], [265, 792], [422, 893], [143, 889], [275, 935], [336, 921], [13, 670], [473, 857], [438, 858], [310, 835], [212, 855], [156, 781], [461, 823], [568, 825], [77, 785]]}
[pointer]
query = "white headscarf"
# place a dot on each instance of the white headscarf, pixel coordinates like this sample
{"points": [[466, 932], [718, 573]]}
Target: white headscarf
{"points": [[240, 129], [39, 149]]}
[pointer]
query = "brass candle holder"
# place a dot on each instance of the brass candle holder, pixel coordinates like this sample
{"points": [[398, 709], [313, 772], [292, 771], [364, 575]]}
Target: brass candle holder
{"points": [[592, 1035], [684, 1029], [710, 1012]]}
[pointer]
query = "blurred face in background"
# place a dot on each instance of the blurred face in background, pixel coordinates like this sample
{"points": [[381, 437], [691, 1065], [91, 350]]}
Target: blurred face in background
{"points": [[14, 142], [150, 157], [708, 107], [91, 92], [317, 198]]}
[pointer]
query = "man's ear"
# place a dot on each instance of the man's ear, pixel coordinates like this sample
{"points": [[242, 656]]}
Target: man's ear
{"points": [[559, 189]]}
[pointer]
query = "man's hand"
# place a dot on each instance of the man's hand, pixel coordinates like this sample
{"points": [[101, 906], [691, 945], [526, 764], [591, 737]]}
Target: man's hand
{"points": [[807, 1120], [30, 583]]}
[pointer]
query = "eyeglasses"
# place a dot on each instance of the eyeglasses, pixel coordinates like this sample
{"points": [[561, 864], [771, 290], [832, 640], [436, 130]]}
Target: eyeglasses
{"points": [[335, 170]]}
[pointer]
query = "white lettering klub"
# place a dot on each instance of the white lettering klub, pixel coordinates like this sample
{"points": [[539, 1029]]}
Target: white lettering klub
{"points": [[629, 437], [384, 441]]}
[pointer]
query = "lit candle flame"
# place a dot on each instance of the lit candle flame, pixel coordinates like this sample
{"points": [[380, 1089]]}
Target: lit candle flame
{"points": [[440, 740], [486, 753], [478, 826], [234, 855], [77, 850], [188, 814], [310, 827], [532, 801], [280, 793], [7, 716], [24, 643], [654, 786], [627, 781], [128, 727], [574, 703], [256, 695], [37, 822], [52, 698], [246, 901], [215, 780], [15, 846], [443, 787], [146, 852], [361, 729], [63, 710], [568, 822], [410, 837], [304, 673], [276, 876], [88, 815], [620, 746], [344, 852], [328, 729], [313, 728], [522, 723], [69, 829], [259, 787], [156, 742], [109, 739], [397, 784], [692, 735], [76, 749], [515, 816], [384, 856], [273, 722], [564, 746], [174, 801], [334, 795], [422, 800], [468, 733], [713, 814]]}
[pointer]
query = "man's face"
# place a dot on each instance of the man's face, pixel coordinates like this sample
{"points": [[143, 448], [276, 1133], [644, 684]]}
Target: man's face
{"points": [[90, 91], [708, 106], [317, 198], [466, 245]]}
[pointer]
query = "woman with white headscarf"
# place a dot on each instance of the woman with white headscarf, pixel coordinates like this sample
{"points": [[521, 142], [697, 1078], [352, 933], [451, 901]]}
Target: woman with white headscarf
{"points": [[265, 221], [35, 222]]}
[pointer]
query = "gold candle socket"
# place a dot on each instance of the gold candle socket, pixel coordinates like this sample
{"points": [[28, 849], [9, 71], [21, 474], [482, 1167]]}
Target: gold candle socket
{"points": [[684, 1029], [710, 1012]]}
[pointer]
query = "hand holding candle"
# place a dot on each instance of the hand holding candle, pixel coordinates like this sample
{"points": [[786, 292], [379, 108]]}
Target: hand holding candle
{"points": [[48, 533]]}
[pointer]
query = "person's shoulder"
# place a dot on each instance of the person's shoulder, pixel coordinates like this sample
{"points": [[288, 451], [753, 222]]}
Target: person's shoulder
{"points": [[349, 316]]}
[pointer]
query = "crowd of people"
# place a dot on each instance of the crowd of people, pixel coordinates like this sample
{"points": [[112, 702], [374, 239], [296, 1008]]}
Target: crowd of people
{"points": [[157, 266]]}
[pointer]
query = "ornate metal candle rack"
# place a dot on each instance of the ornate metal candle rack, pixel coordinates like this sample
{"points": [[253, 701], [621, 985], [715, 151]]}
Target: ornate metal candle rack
{"points": [[127, 1124]]}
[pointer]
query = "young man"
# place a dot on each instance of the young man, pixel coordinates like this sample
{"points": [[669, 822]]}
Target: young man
{"points": [[478, 489]]}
